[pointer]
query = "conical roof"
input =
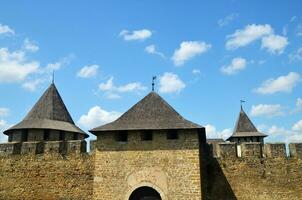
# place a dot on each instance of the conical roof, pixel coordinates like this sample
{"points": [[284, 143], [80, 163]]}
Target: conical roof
{"points": [[244, 127], [151, 113], [49, 112]]}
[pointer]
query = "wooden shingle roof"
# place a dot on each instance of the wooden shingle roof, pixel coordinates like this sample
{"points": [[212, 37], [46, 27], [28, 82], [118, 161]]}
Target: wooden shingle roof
{"points": [[49, 112], [244, 127], [151, 113]]}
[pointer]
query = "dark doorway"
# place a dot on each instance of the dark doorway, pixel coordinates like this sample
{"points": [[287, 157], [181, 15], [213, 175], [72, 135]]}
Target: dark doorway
{"points": [[145, 193]]}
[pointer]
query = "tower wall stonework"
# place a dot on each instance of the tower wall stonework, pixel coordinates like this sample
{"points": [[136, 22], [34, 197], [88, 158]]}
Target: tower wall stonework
{"points": [[171, 167], [114, 170]]}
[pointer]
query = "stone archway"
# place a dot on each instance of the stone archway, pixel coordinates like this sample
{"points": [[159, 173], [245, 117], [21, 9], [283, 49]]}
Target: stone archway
{"points": [[145, 193]]}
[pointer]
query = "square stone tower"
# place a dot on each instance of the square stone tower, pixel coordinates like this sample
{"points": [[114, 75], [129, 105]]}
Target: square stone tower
{"points": [[150, 152]]}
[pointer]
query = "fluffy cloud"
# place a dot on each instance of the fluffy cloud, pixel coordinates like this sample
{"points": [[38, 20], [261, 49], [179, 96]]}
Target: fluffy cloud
{"points": [[4, 112], [236, 65], [4, 29], [225, 21], [247, 35], [14, 67], [32, 85], [274, 43], [281, 84], [30, 45], [188, 50], [212, 132], [268, 110], [170, 83], [136, 35], [88, 71], [151, 49], [113, 90], [97, 116], [277, 134]]}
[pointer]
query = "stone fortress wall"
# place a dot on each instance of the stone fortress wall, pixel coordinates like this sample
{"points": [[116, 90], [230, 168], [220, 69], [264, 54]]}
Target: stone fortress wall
{"points": [[64, 170]]}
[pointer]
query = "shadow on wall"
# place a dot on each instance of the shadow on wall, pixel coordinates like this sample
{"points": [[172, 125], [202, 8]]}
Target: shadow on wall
{"points": [[215, 185]]}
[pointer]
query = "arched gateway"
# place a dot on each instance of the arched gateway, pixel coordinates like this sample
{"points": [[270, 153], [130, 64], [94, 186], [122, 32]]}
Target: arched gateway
{"points": [[145, 193]]}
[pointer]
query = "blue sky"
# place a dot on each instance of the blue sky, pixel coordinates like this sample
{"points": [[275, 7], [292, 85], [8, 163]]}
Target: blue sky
{"points": [[207, 55]]}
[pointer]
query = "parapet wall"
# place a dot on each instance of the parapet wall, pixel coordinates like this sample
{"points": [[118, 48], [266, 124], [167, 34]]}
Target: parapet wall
{"points": [[255, 150], [41, 147]]}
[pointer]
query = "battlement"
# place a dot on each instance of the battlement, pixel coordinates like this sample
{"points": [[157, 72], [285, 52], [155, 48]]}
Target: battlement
{"points": [[40, 147], [255, 150]]}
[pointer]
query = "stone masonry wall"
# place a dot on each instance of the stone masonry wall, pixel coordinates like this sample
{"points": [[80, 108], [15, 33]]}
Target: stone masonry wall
{"points": [[272, 176], [46, 176], [171, 167]]}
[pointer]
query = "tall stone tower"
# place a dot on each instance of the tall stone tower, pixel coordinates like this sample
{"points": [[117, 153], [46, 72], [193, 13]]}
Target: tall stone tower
{"points": [[49, 120], [150, 152]]}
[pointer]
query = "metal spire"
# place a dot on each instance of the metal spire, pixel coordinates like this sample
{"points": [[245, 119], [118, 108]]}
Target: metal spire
{"points": [[153, 82], [53, 77], [241, 103]]}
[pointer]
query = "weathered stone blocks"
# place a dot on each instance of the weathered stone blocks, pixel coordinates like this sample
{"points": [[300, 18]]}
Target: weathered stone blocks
{"points": [[226, 150], [10, 148], [75, 146], [54, 147], [32, 147], [277, 150], [251, 149], [295, 150]]}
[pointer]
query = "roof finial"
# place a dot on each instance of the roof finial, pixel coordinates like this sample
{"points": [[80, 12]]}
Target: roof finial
{"points": [[153, 82], [53, 77], [241, 103]]}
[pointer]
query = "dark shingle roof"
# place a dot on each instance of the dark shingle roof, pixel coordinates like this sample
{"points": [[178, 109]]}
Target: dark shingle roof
{"points": [[151, 113], [49, 112], [244, 127]]}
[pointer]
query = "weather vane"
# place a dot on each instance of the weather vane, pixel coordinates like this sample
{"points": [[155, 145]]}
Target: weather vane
{"points": [[153, 82]]}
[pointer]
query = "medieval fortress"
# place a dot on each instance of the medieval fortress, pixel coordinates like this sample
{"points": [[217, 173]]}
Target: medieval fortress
{"points": [[150, 153]]}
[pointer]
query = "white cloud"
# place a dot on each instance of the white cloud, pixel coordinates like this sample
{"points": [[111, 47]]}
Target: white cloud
{"points": [[298, 126], [237, 64], [14, 67], [32, 85], [296, 55], [136, 35], [4, 111], [281, 84], [225, 21], [280, 134], [30, 45], [196, 71], [268, 110], [88, 71], [57, 65], [113, 90], [97, 116], [170, 83], [188, 50], [4, 29], [151, 49], [212, 132], [274, 44], [249, 34]]}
